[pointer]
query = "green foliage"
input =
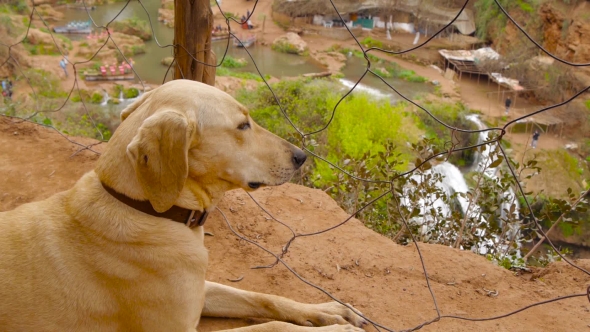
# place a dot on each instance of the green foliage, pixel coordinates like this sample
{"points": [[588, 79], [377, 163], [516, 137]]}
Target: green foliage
{"points": [[136, 49], [96, 98], [367, 137], [587, 104], [370, 42], [130, 93], [230, 15], [231, 62], [286, 47], [222, 71], [489, 17], [442, 137], [359, 54], [133, 26], [525, 6], [14, 7], [42, 49], [116, 91], [45, 83]]}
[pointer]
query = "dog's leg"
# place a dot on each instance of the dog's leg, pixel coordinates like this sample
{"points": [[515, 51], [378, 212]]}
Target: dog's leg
{"points": [[225, 301], [287, 327]]}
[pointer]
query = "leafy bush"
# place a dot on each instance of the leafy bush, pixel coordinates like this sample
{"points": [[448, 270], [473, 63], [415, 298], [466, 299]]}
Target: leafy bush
{"points": [[45, 83], [133, 26], [231, 62], [286, 47], [130, 93], [370, 42], [96, 98], [441, 136]]}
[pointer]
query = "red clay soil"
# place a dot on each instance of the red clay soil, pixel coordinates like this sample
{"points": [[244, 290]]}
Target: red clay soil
{"points": [[383, 280]]}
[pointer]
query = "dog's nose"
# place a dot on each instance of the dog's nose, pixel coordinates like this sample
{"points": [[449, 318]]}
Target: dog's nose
{"points": [[299, 157]]}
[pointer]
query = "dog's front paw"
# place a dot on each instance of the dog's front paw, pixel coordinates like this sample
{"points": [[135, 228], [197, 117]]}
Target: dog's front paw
{"points": [[330, 313], [339, 328]]}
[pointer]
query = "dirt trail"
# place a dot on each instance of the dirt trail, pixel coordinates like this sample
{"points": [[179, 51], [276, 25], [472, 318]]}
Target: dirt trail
{"points": [[382, 279]]}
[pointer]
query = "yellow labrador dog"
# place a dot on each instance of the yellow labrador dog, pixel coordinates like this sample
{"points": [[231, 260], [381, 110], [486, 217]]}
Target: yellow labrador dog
{"points": [[123, 249]]}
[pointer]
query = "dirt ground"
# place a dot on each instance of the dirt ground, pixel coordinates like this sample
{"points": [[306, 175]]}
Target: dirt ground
{"points": [[356, 265]]}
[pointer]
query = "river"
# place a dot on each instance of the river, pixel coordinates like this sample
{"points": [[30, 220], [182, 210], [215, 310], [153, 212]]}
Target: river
{"points": [[269, 62]]}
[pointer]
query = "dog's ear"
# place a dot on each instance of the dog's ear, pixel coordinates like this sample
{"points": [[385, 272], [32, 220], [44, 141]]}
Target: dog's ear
{"points": [[159, 154]]}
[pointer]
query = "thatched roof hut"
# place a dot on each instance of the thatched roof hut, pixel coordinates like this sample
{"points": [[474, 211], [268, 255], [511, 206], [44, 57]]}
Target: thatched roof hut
{"points": [[295, 8]]}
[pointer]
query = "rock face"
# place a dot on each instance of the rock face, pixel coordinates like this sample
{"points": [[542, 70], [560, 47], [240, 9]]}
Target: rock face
{"points": [[232, 85], [166, 16], [290, 43], [576, 44], [134, 27]]}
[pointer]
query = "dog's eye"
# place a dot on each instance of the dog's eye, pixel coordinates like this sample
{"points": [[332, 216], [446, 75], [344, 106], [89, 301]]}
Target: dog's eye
{"points": [[244, 126]]}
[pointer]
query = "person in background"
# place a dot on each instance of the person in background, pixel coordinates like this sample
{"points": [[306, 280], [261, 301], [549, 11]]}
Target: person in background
{"points": [[9, 86], [508, 103], [535, 139], [64, 65]]}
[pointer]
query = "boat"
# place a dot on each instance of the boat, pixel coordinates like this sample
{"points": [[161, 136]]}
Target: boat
{"points": [[80, 27], [114, 72], [245, 42], [99, 77]]}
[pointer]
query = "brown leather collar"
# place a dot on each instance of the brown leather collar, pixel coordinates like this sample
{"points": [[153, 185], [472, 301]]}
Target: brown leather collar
{"points": [[191, 218]]}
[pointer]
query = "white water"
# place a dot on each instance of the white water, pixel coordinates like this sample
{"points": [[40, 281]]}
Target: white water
{"points": [[363, 88], [105, 99], [484, 160], [454, 182]]}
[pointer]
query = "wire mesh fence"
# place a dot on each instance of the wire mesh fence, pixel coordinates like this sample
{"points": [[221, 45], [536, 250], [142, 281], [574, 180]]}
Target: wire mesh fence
{"points": [[404, 194]]}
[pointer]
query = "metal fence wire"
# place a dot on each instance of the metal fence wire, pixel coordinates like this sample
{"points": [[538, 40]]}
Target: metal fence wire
{"points": [[496, 134]]}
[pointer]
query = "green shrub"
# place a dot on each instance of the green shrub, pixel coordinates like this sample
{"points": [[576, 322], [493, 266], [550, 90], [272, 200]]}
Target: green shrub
{"points": [[45, 83], [285, 47], [130, 93], [133, 26], [441, 136], [231, 62], [96, 98], [370, 42]]}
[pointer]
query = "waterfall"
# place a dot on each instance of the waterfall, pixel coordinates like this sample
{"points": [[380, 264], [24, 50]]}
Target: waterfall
{"points": [[105, 99], [453, 182], [482, 162]]}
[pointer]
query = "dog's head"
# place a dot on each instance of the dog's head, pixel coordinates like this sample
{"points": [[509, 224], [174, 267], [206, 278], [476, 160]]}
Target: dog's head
{"points": [[186, 143]]}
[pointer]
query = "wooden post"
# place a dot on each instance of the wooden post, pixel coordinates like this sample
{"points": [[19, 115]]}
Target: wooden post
{"points": [[193, 24]]}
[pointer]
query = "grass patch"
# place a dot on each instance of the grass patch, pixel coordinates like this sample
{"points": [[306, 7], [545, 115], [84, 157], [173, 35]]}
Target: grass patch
{"points": [[231, 62], [222, 71], [370, 42], [133, 26]]}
